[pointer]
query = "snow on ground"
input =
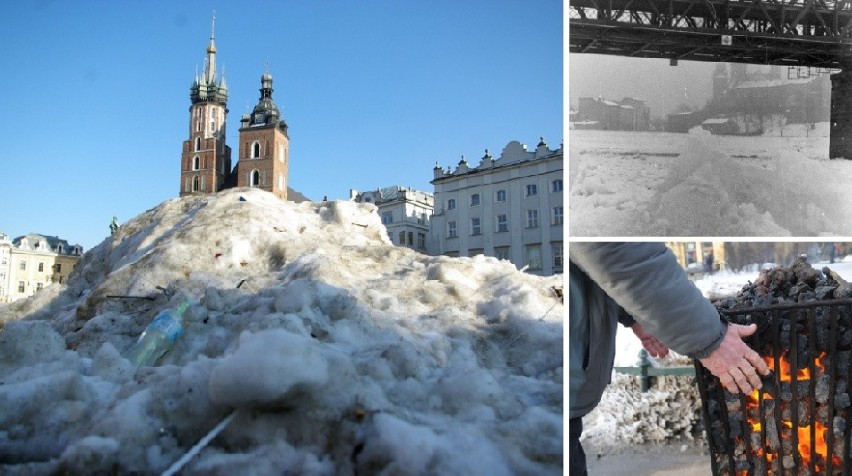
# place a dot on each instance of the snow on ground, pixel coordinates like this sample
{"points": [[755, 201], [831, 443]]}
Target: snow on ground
{"points": [[667, 184], [341, 352], [669, 410]]}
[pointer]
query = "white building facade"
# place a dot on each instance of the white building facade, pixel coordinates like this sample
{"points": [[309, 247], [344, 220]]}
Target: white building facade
{"points": [[511, 208], [405, 212], [5, 266], [36, 261]]}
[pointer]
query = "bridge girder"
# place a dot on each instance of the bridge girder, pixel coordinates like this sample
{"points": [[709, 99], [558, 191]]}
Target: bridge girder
{"points": [[795, 33]]}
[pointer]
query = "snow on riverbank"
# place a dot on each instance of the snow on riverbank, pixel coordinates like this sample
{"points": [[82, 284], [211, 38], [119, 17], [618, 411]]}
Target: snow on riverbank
{"points": [[341, 352], [666, 184]]}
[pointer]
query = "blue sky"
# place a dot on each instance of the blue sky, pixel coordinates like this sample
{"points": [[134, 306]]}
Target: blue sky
{"points": [[94, 95]]}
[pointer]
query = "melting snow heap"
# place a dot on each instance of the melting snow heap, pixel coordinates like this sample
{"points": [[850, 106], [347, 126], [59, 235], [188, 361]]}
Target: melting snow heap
{"points": [[340, 352]]}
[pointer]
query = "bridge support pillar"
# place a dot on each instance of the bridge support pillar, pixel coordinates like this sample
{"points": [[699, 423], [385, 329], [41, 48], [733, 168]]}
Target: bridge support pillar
{"points": [[840, 135]]}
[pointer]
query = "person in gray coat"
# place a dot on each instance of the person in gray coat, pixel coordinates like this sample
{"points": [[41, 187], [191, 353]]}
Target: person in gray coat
{"points": [[647, 282]]}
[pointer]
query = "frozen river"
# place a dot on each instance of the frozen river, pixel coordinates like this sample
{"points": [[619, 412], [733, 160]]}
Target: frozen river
{"points": [[667, 184]]}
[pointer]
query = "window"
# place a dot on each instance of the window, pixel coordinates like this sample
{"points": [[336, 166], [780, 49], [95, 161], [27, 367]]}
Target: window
{"points": [[451, 204], [39, 286], [475, 251], [402, 238], [20, 286], [502, 252], [281, 182], [421, 241], [557, 215], [410, 238], [23, 265], [254, 178], [387, 218], [212, 120], [474, 200], [556, 185], [196, 163], [281, 153], [195, 184], [475, 226], [532, 218], [534, 256], [197, 144], [3, 261], [255, 150], [502, 223], [532, 189], [558, 261], [58, 267], [501, 195], [41, 267], [451, 229]]}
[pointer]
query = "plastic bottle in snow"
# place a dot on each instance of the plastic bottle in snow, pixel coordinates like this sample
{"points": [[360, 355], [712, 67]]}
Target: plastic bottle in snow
{"points": [[158, 337]]}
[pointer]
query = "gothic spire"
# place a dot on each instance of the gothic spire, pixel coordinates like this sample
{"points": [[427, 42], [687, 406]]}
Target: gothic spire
{"points": [[210, 67]]}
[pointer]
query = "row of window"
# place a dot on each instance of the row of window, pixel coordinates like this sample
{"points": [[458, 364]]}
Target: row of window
{"points": [[500, 195], [532, 255], [22, 265], [255, 150], [502, 222], [407, 239], [387, 218]]}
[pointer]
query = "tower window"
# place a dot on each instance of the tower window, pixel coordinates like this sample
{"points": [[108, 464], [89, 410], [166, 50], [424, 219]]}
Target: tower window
{"points": [[196, 184], [255, 150], [196, 163], [281, 153], [254, 178], [197, 144], [212, 120]]}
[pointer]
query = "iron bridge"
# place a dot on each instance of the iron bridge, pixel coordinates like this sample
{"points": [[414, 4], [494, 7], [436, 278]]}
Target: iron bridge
{"points": [[800, 33]]}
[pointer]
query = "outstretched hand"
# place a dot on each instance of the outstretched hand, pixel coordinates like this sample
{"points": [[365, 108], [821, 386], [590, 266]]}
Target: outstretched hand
{"points": [[736, 364], [651, 344]]}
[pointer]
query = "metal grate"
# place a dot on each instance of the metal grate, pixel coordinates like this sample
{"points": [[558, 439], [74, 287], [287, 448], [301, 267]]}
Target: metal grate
{"points": [[800, 421]]}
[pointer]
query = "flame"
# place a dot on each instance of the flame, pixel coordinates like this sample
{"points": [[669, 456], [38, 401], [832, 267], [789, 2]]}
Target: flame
{"points": [[803, 432]]}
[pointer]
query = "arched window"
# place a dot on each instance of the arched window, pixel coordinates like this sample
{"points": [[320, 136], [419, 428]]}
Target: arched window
{"points": [[254, 178], [195, 184], [196, 163], [212, 120], [197, 144], [281, 153], [255, 150]]}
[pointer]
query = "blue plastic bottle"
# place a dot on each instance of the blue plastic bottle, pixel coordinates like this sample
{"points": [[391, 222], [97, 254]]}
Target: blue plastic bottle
{"points": [[158, 337]]}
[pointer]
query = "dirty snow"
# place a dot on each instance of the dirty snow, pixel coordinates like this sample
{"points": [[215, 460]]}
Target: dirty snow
{"points": [[339, 352], [667, 184], [669, 410]]}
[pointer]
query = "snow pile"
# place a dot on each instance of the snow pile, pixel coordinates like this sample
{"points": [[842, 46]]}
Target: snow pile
{"points": [[664, 184], [340, 352], [669, 410]]}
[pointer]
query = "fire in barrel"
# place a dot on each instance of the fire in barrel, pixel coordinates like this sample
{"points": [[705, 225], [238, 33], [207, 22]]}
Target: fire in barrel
{"points": [[799, 422]]}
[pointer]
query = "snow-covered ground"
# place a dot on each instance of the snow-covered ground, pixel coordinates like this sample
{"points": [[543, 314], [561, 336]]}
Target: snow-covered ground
{"points": [[667, 184], [628, 416], [340, 352]]}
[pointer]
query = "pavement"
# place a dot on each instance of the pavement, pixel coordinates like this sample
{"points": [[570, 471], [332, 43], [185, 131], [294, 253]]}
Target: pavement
{"points": [[686, 458]]}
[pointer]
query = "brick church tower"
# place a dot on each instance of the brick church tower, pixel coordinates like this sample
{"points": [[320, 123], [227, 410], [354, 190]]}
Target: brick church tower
{"points": [[206, 160], [264, 145]]}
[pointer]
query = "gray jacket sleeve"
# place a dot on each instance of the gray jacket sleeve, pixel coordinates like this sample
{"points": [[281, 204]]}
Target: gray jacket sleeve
{"points": [[646, 280]]}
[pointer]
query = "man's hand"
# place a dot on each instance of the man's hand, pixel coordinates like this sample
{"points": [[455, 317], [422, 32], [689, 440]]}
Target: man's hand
{"points": [[735, 363], [651, 344]]}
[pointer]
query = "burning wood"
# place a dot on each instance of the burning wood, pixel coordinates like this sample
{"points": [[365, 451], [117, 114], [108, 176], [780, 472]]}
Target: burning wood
{"points": [[798, 422]]}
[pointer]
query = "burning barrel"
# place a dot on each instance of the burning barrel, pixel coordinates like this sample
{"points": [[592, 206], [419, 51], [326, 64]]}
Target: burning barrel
{"points": [[799, 423]]}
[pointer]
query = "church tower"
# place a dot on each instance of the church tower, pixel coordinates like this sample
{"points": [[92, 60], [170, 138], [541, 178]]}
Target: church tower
{"points": [[264, 145], [206, 160]]}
